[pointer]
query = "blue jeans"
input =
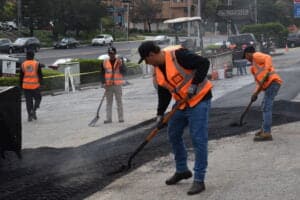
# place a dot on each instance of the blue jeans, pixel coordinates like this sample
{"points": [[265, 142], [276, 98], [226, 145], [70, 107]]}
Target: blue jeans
{"points": [[197, 120], [267, 106]]}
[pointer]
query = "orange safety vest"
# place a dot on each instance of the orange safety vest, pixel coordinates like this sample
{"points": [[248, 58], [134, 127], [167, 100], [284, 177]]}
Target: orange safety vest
{"points": [[179, 79], [113, 75], [261, 66], [31, 78]]}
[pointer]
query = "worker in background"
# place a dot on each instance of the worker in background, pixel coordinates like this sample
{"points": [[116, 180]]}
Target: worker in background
{"points": [[265, 76], [30, 79], [181, 73], [113, 70]]}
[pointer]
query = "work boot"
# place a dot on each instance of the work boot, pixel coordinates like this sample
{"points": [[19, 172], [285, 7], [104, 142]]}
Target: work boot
{"points": [[263, 136], [33, 114], [258, 133], [107, 121], [196, 188], [29, 118], [178, 177]]}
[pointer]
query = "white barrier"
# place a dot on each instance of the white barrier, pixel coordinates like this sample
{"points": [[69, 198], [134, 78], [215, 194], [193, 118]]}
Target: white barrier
{"points": [[69, 79]]}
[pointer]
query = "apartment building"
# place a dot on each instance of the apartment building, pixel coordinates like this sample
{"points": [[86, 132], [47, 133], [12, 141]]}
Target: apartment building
{"points": [[170, 9]]}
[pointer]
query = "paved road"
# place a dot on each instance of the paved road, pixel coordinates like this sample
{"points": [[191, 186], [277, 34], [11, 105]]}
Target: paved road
{"points": [[127, 49], [78, 171]]}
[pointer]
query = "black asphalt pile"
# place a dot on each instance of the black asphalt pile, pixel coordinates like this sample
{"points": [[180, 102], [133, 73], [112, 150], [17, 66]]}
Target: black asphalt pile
{"points": [[75, 173]]}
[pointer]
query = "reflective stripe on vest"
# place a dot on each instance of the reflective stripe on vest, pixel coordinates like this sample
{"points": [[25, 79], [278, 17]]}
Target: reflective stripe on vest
{"points": [[179, 80], [113, 75], [260, 72], [31, 78]]}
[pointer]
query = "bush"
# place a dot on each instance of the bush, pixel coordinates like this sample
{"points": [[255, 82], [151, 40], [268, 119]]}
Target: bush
{"points": [[92, 68], [52, 79], [269, 30]]}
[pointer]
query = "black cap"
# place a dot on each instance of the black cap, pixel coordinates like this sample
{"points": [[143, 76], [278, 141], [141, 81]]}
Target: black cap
{"points": [[145, 48], [111, 50], [29, 55], [248, 49]]}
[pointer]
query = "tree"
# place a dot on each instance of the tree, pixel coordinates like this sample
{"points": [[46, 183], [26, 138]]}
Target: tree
{"points": [[146, 11]]}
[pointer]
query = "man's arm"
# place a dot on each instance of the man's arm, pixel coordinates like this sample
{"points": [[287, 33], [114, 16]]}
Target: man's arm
{"points": [[40, 73], [21, 76], [102, 73], [164, 99], [190, 60]]}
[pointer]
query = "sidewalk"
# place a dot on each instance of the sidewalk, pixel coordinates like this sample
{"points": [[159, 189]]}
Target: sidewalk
{"points": [[238, 169]]}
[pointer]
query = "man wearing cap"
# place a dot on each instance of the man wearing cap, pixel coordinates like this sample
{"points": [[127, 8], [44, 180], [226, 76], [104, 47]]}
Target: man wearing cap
{"points": [[181, 73], [267, 80], [113, 70], [30, 78]]}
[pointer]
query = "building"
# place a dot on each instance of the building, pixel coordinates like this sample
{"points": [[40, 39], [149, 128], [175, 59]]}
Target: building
{"points": [[170, 9]]}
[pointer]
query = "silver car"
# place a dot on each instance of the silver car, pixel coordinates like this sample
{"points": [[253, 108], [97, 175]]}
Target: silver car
{"points": [[102, 39]]}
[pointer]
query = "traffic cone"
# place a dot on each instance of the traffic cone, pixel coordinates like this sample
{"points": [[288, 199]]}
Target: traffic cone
{"points": [[286, 48]]}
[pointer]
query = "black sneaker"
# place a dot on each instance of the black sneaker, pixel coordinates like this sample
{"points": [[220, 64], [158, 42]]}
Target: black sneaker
{"points": [[34, 115], [196, 188], [178, 177], [107, 121], [29, 118]]}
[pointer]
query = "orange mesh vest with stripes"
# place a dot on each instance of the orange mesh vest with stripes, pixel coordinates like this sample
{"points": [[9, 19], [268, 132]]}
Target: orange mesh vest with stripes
{"points": [[261, 66], [113, 75], [179, 79], [31, 78]]}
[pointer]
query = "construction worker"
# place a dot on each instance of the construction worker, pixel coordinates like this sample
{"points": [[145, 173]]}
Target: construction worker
{"points": [[30, 79], [267, 80], [113, 70], [181, 73]]}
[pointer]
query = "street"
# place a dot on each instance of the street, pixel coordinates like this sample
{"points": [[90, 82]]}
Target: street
{"points": [[63, 158]]}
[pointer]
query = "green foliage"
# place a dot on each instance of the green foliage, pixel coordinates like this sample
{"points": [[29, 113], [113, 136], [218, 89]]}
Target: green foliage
{"points": [[52, 79], [92, 66], [9, 81], [269, 30]]}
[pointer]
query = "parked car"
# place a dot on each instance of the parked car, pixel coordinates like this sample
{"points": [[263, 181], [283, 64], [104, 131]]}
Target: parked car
{"points": [[293, 39], [6, 46], [26, 43], [239, 42], [66, 43], [243, 40], [102, 39], [161, 39]]}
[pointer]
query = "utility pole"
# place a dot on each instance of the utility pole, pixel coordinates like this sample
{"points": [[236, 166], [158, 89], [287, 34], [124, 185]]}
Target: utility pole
{"points": [[255, 11], [113, 12], [128, 22], [189, 15], [229, 3], [19, 13]]}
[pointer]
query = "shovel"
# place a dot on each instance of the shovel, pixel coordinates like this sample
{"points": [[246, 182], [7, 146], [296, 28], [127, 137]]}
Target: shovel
{"points": [[148, 138], [93, 122], [241, 123]]}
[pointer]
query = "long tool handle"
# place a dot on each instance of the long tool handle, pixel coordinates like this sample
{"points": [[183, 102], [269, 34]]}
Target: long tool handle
{"points": [[155, 131], [101, 102], [250, 103]]}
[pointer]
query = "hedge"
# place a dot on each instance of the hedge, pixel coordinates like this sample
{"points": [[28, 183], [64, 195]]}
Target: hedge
{"points": [[269, 30], [54, 79], [49, 82]]}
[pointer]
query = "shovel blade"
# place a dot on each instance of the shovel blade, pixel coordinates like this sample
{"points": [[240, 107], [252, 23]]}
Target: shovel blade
{"points": [[94, 121]]}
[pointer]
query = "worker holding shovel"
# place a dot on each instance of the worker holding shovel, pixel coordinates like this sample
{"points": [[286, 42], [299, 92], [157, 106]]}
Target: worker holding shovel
{"points": [[113, 70], [181, 74], [267, 80]]}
